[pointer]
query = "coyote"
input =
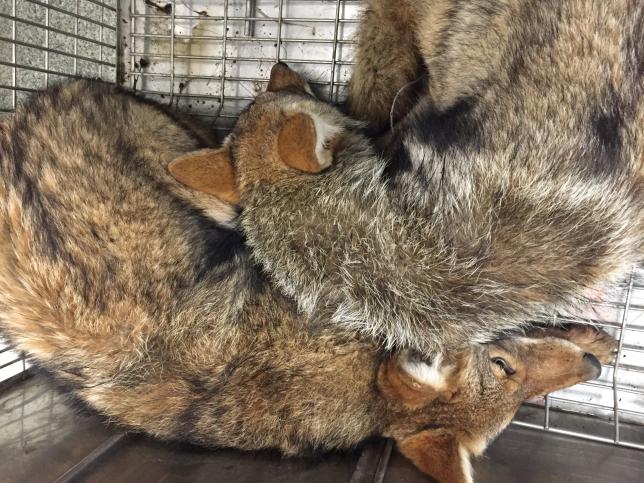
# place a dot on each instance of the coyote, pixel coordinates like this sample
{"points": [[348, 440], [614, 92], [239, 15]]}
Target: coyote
{"points": [[457, 397], [511, 185], [138, 293]]}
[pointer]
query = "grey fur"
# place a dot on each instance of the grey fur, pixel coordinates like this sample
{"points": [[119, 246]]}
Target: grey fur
{"points": [[514, 188]]}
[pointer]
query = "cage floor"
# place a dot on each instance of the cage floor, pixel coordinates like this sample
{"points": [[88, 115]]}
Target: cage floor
{"points": [[44, 437]]}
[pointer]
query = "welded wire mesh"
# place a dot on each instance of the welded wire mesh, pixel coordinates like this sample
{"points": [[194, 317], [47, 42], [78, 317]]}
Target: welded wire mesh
{"points": [[46, 41], [29, 416], [211, 58], [12, 363]]}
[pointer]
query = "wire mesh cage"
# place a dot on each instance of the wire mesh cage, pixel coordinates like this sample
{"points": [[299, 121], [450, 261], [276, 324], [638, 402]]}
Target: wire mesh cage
{"points": [[47, 41], [210, 58]]}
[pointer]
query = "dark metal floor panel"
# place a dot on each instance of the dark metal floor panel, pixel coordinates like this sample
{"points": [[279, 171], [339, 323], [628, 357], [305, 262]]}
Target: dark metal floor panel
{"points": [[526, 456], [44, 438], [142, 460], [41, 434]]}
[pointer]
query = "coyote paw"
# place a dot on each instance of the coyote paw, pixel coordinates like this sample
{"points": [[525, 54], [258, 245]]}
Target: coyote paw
{"points": [[587, 337], [593, 340]]}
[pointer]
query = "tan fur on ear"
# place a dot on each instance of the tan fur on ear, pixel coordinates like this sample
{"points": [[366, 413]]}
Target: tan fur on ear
{"points": [[283, 77], [399, 386], [438, 454], [296, 144], [209, 171]]}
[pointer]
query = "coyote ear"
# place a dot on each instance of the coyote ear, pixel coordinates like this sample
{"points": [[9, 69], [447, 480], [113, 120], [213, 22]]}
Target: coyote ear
{"points": [[416, 383], [306, 144], [438, 454], [209, 171]]}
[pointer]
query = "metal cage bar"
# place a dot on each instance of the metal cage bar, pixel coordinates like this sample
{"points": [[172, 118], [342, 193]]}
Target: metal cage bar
{"points": [[222, 88], [202, 42], [73, 35], [13, 53], [620, 350], [75, 14]]}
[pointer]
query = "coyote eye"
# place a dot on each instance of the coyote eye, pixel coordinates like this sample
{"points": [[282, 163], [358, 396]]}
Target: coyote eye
{"points": [[503, 364]]}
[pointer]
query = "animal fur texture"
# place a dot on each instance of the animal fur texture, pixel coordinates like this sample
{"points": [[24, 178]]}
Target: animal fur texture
{"points": [[514, 186], [135, 292], [116, 281]]}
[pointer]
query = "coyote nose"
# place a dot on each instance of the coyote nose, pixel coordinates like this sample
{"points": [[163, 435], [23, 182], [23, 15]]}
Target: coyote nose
{"points": [[283, 77], [591, 359]]}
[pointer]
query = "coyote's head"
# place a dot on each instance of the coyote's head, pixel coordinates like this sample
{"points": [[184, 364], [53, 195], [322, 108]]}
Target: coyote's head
{"points": [[445, 410], [285, 127]]}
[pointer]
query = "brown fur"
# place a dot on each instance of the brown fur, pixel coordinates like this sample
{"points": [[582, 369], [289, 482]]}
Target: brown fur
{"points": [[295, 144], [470, 48], [212, 170], [381, 73], [115, 280]]}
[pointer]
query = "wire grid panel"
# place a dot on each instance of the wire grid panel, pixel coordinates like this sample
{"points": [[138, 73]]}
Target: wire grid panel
{"points": [[32, 416], [46, 41], [12, 363], [213, 58]]}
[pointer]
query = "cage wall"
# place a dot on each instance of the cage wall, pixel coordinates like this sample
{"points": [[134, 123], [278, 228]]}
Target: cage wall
{"points": [[210, 58]]}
